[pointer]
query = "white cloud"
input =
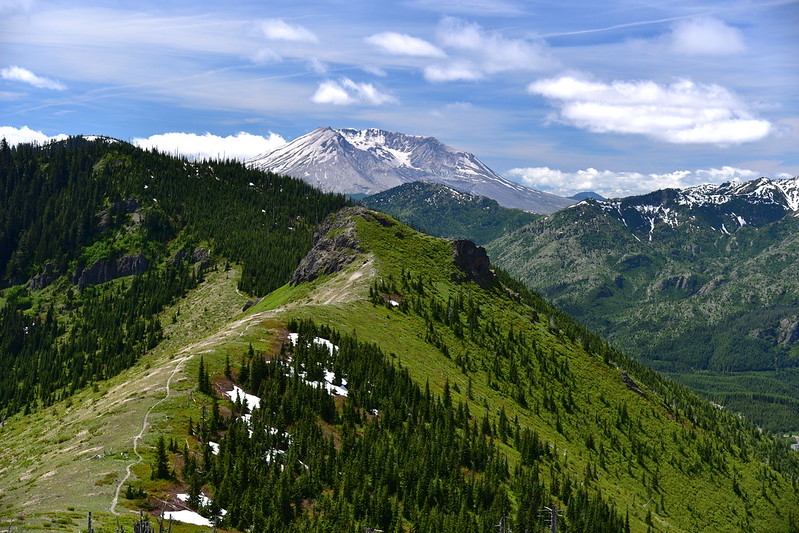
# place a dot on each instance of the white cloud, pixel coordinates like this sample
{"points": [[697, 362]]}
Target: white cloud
{"points": [[241, 146], [280, 30], [681, 113], [705, 36], [15, 136], [614, 184], [15, 73], [404, 45], [347, 92], [453, 72], [477, 53]]}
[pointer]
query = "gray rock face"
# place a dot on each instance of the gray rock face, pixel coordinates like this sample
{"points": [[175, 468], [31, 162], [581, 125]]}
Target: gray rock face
{"points": [[473, 261], [369, 161], [128, 205], [104, 270], [335, 246], [44, 278]]}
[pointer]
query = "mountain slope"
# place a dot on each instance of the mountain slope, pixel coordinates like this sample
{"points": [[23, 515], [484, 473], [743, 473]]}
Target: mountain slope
{"points": [[370, 161], [442, 211], [402, 384], [701, 283]]}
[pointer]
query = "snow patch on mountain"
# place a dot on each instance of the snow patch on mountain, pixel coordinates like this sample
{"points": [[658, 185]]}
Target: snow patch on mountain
{"points": [[723, 208]]}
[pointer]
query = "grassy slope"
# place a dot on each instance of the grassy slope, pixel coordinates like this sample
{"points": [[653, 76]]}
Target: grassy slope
{"points": [[44, 471]]}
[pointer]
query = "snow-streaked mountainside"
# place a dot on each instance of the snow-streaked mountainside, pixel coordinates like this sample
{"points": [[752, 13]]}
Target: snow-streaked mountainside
{"points": [[723, 208], [351, 161]]}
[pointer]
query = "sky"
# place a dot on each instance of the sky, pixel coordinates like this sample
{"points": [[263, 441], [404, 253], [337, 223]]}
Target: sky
{"points": [[620, 97]]}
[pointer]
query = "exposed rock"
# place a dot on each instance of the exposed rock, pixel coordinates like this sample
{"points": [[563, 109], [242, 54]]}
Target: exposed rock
{"points": [[473, 261], [712, 285], [202, 257], [128, 205], [682, 283], [250, 303], [180, 255], [630, 383], [97, 272], [44, 278], [788, 331], [335, 245], [104, 270], [130, 265]]}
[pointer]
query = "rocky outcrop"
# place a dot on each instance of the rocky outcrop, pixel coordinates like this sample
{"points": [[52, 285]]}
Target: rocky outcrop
{"points": [[104, 270], [335, 245], [712, 285], [473, 262], [681, 283], [128, 205], [788, 332], [44, 278], [202, 258]]}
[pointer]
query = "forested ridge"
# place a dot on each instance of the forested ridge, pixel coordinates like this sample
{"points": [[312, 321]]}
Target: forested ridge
{"points": [[533, 411], [78, 205], [410, 386]]}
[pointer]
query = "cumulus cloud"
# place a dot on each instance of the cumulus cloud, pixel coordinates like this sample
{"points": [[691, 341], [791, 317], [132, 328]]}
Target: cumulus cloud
{"points": [[705, 36], [682, 113], [614, 184], [241, 146], [404, 45], [476, 53], [280, 30], [15, 73], [15, 136], [347, 92]]}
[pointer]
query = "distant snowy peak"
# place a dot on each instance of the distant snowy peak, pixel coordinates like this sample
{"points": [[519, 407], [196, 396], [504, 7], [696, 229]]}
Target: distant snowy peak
{"points": [[369, 161], [722, 208], [760, 191]]}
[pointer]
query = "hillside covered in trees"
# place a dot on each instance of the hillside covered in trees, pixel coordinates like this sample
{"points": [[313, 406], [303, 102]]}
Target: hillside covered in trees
{"points": [[368, 377]]}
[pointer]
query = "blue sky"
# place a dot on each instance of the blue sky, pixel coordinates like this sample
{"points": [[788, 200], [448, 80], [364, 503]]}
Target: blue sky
{"points": [[621, 97]]}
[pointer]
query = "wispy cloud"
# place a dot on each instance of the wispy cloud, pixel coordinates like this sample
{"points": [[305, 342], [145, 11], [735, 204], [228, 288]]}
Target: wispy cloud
{"points": [[14, 6], [682, 113], [15, 73], [705, 36], [347, 92], [614, 184], [469, 7], [15, 136], [401, 44], [241, 146], [280, 30], [476, 53]]}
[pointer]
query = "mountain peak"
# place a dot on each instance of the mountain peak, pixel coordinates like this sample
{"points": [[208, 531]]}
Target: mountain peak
{"points": [[723, 208], [368, 161]]}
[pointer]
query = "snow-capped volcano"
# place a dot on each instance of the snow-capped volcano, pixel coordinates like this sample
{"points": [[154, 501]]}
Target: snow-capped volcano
{"points": [[369, 161]]}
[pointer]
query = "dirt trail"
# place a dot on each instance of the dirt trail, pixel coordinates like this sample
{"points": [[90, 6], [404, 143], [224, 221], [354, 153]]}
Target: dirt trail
{"points": [[137, 438], [339, 290]]}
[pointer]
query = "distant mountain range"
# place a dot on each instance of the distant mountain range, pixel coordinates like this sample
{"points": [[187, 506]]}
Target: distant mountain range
{"points": [[351, 161], [724, 208]]}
